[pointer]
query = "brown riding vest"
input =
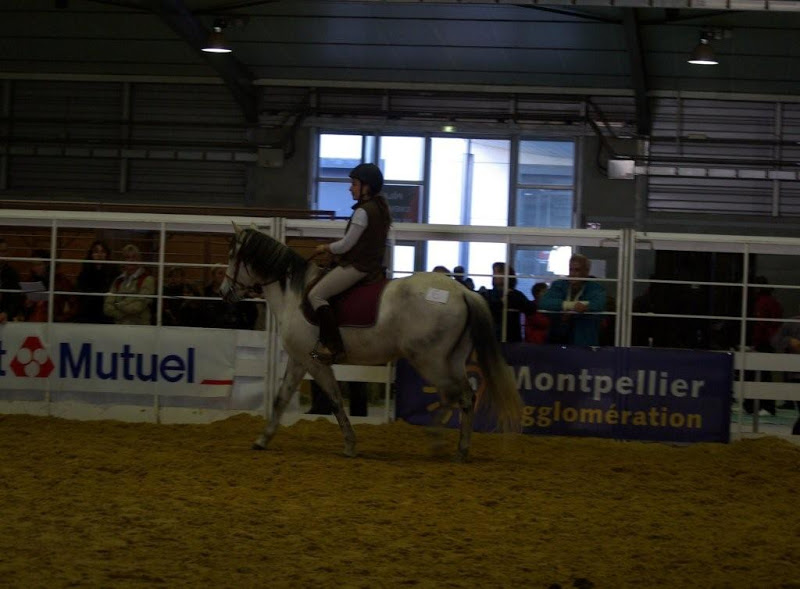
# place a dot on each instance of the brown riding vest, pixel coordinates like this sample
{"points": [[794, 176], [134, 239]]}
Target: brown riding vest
{"points": [[367, 254]]}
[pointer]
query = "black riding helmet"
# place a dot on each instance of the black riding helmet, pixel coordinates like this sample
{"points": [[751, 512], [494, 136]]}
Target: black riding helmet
{"points": [[368, 174]]}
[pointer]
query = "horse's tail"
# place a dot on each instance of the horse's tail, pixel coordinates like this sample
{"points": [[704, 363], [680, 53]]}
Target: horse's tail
{"points": [[502, 395]]}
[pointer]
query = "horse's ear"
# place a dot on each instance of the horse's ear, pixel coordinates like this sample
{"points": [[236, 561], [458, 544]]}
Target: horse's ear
{"points": [[254, 227], [236, 228]]}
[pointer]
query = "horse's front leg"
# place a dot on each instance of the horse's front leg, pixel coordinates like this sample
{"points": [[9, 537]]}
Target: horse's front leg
{"points": [[325, 378], [291, 378]]}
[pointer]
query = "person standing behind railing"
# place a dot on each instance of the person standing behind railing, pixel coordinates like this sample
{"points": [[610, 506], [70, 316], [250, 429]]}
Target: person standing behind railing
{"points": [[515, 303], [765, 306], [537, 324], [180, 307], [65, 306], [10, 302], [125, 304], [460, 275], [95, 278], [787, 341], [569, 300]]}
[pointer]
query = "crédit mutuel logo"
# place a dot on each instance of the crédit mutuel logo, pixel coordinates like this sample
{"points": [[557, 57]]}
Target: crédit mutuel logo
{"points": [[85, 361], [31, 360]]}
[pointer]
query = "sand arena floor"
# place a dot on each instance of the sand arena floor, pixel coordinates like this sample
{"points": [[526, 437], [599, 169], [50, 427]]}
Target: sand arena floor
{"points": [[109, 504]]}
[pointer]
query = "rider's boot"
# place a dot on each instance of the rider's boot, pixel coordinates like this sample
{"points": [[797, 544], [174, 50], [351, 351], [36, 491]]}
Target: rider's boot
{"points": [[330, 349]]}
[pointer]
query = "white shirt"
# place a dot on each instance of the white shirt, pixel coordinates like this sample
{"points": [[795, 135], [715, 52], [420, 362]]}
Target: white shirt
{"points": [[358, 223]]}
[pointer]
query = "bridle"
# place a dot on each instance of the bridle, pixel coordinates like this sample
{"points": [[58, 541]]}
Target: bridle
{"points": [[235, 283], [233, 279]]}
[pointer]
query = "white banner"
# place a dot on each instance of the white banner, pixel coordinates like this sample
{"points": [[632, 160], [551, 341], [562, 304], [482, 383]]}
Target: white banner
{"points": [[117, 358]]}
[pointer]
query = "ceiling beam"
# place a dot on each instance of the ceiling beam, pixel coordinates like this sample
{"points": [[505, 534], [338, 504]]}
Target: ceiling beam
{"points": [[749, 5], [234, 73], [572, 12], [633, 41]]}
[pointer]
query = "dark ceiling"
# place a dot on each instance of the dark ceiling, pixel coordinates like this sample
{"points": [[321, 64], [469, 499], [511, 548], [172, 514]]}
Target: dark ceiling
{"points": [[586, 47]]}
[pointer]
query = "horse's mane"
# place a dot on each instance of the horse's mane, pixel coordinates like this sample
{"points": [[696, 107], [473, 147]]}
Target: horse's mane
{"points": [[272, 260]]}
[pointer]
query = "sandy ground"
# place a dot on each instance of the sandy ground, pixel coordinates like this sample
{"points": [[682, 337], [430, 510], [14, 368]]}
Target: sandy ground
{"points": [[109, 504]]}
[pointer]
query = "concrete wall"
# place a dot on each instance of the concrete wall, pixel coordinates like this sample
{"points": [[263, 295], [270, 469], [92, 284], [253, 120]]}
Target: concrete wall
{"points": [[612, 203], [287, 186]]}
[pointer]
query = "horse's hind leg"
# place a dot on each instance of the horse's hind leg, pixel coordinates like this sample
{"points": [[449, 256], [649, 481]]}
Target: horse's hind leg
{"points": [[454, 393], [325, 378], [291, 378], [467, 403], [436, 430], [460, 394]]}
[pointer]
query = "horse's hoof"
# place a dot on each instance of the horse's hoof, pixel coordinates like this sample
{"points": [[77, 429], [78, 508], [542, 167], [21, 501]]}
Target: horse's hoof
{"points": [[350, 452], [461, 458], [257, 446]]}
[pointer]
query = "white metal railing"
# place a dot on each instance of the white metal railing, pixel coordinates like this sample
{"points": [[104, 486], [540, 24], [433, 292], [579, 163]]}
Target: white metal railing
{"points": [[630, 258]]}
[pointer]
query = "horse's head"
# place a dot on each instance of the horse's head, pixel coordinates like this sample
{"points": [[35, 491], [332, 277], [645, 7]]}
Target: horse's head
{"points": [[256, 260], [239, 279]]}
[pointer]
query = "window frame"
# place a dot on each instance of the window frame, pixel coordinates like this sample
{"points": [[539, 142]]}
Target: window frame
{"points": [[371, 149]]}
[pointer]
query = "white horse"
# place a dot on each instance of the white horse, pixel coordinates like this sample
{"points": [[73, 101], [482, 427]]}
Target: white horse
{"points": [[428, 318]]}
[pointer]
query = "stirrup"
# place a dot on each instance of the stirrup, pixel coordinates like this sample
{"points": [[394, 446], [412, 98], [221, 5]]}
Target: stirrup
{"points": [[326, 356]]}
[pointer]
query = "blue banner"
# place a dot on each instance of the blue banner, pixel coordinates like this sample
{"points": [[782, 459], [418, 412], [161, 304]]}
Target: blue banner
{"points": [[622, 393]]}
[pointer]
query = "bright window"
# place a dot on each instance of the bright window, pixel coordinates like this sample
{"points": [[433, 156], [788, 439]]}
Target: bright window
{"points": [[545, 181], [402, 158], [544, 198], [468, 182], [489, 178], [402, 260], [469, 186], [338, 154]]}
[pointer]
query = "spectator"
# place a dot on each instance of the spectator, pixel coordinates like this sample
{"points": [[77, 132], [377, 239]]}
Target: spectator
{"points": [[128, 302], [516, 304], [220, 314], [65, 307], [441, 270], [537, 324], [787, 341], [569, 301], [180, 307], [765, 306], [10, 302], [460, 275], [95, 277]]}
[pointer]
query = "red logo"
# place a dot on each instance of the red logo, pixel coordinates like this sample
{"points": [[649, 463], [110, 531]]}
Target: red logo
{"points": [[32, 359]]}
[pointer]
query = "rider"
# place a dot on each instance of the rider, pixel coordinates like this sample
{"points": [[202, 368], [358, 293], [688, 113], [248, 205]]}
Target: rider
{"points": [[359, 253]]}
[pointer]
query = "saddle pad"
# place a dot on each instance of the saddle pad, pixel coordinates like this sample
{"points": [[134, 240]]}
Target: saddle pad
{"points": [[358, 306]]}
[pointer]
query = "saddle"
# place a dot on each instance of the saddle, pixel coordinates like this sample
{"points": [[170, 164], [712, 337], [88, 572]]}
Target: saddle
{"points": [[355, 307]]}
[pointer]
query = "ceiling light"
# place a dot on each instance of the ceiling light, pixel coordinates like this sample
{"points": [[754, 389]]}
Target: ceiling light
{"points": [[703, 53], [216, 40]]}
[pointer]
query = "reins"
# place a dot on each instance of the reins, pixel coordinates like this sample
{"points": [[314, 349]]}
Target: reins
{"points": [[282, 272]]}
